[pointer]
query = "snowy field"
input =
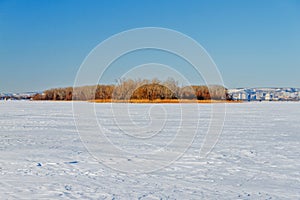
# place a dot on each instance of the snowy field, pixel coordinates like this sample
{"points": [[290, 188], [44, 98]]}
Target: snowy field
{"points": [[42, 156]]}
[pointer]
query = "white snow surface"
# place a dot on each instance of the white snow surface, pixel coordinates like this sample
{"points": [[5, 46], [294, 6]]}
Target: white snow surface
{"points": [[257, 155]]}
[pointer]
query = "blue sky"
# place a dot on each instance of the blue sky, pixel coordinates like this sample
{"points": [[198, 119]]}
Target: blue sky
{"points": [[253, 43]]}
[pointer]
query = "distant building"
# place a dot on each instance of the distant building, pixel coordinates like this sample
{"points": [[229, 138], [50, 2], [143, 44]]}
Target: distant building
{"points": [[268, 97], [265, 94]]}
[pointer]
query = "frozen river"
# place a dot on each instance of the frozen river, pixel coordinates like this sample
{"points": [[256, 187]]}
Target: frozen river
{"points": [[42, 155]]}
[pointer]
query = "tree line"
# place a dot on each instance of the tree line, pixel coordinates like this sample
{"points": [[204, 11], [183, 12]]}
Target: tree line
{"points": [[136, 90]]}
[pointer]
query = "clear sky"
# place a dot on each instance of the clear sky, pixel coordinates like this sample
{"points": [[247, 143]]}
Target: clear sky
{"points": [[43, 42]]}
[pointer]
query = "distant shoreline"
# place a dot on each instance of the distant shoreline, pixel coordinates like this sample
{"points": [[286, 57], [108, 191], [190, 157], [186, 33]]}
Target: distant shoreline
{"points": [[146, 101], [137, 101], [161, 101]]}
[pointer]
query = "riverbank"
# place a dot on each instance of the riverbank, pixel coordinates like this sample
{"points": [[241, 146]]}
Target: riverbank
{"points": [[161, 101]]}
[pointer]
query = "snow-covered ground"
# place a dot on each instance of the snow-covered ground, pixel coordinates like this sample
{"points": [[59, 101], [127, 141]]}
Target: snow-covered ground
{"points": [[257, 155]]}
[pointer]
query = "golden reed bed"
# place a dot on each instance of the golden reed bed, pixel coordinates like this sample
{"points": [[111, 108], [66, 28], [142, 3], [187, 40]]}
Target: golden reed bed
{"points": [[161, 101]]}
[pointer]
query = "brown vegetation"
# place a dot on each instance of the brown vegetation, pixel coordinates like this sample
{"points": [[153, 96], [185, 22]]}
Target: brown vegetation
{"points": [[161, 101], [137, 91]]}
